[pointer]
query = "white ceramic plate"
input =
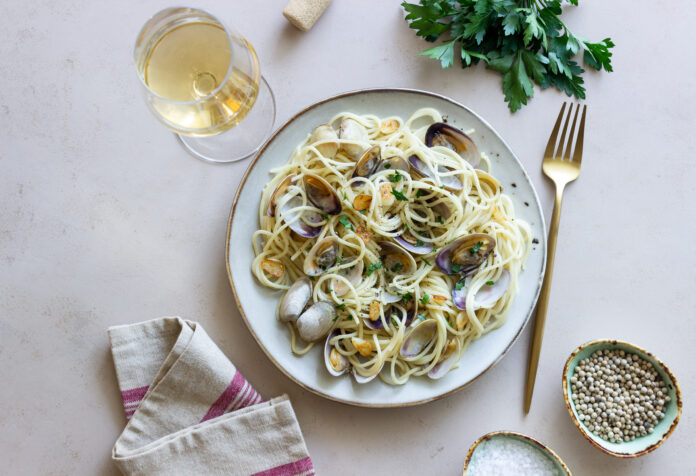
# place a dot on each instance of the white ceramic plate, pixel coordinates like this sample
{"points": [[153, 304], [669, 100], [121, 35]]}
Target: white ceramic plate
{"points": [[257, 304]]}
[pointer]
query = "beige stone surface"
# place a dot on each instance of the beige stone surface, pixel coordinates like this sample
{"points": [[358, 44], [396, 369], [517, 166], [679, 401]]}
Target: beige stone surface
{"points": [[106, 220]]}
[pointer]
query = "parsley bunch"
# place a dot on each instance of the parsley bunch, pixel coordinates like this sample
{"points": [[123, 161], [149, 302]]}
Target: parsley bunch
{"points": [[525, 40]]}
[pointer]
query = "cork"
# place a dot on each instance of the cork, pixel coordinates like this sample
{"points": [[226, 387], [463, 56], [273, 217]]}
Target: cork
{"points": [[303, 13]]}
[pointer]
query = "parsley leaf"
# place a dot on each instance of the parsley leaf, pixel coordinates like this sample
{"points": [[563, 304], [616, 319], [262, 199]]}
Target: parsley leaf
{"points": [[344, 221], [474, 249], [340, 306], [426, 261], [339, 259], [325, 217], [395, 177], [425, 299], [419, 243], [440, 220], [387, 165], [527, 42], [459, 285], [420, 193], [373, 267], [490, 283], [407, 297], [399, 195], [456, 267], [397, 267]]}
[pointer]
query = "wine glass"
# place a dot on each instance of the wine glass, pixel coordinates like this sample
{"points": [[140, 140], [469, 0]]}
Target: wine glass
{"points": [[202, 80]]}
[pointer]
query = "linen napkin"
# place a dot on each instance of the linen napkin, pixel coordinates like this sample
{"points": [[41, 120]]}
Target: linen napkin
{"points": [[191, 412]]}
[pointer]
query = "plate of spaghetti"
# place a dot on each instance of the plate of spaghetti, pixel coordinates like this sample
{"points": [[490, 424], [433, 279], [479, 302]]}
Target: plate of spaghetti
{"points": [[385, 247]]}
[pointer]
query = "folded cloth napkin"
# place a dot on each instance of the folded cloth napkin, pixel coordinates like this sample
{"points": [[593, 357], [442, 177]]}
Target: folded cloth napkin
{"points": [[191, 412]]}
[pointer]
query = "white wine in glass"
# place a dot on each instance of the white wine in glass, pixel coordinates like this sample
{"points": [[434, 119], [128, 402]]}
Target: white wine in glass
{"points": [[203, 82]]}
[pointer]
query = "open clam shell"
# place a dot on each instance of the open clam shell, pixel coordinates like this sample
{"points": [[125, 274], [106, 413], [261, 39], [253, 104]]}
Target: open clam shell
{"points": [[418, 338], [294, 219], [325, 134], [321, 194], [393, 163], [352, 273], [486, 296], [367, 163], [336, 363], [465, 254], [280, 189], [352, 130], [441, 134], [450, 182], [396, 259], [321, 257], [411, 244], [448, 359], [294, 300], [361, 379]]}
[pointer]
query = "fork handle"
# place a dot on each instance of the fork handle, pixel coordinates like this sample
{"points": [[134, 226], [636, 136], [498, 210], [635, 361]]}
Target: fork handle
{"points": [[543, 302]]}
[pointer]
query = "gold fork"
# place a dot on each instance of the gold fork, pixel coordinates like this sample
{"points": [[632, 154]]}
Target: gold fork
{"points": [[559, 167]]}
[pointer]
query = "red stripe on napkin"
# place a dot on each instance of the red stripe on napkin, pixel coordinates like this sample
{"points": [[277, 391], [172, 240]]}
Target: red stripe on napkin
{"points": [[134, 394], [238, 394], [303, 467]]}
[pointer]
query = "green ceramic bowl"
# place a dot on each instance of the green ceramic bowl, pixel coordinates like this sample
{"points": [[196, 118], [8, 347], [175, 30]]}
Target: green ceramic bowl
{"points": [[560, 465], [643, 444]]}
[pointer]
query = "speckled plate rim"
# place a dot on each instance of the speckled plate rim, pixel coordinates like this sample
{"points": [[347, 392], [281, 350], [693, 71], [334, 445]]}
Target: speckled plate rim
{"points": [[577, 423], [493, 434], [259, 154]]}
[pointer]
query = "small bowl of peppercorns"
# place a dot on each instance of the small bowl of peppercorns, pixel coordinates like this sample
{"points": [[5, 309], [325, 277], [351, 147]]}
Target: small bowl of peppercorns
{"points": [[623, 399]]}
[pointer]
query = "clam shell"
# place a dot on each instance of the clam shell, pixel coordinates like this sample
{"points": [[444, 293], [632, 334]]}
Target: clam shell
{"points": [[393, 163], [360, 379], [294, 300], [341, 360], [277, 193], [418, 338], [321, 194], [450, 182], [441, 134], [315, 322], [423, 249], [322, 256], [352, 130], [486, 296], [460, 255], [326, 134], [368, 162], [353, 275], [294, 219], [394, 255], [441, 368]]}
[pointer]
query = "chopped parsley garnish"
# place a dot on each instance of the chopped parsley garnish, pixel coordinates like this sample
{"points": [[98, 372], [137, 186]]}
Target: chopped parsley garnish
{"points": [[426, 261], [339, 260], [459, 285], [407, 297], [420, 193], [395, 177], [335, 318], [490, 283], [440, 220], [312, 278], [344, 221], [373, 267], [387, 165], [397, 267], [341, 306], [456, 267], [450, 323], [350, 318], [325, 217], [395, 322], [419, 243], [399, 195], [425, 299], [344, 196], [476, 247], [330, 290], [442, 187]]}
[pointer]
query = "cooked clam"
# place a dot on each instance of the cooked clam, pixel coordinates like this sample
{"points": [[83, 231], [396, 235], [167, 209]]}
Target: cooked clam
{"points": [[294, 219], [315, 322], [295, 299], [464, 255], [328, 138], [450, 182], [441, 134], [396, 259], [393, 163], [418, 338], [449, 357], [280, 189], [352, 130], [486, 296], [336, 363], [321, 194], [322, 256], [362, 379], [368, 162], [352, 273], [414, 245]]}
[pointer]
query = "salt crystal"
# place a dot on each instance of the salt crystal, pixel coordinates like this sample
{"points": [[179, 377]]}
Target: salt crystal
{"points": [[509, 456]]}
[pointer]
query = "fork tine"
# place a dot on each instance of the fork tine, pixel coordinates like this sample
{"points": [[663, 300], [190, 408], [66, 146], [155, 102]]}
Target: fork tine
{"points": [[572, 132], [559, 151], [577, 155], [554, 134]]}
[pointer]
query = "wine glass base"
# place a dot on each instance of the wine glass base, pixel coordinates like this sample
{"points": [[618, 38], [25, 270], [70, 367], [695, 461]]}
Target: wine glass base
{"points": [[241, 141]]}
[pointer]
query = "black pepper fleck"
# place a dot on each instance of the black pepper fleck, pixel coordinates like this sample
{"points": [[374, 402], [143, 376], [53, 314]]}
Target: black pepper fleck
{"points": [[535, 241], [514, 185], [526, 204]]}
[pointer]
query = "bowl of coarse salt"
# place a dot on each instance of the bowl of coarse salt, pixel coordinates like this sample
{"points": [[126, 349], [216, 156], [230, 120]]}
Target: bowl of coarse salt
{"points": [[622, 398], [514, 454]]}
